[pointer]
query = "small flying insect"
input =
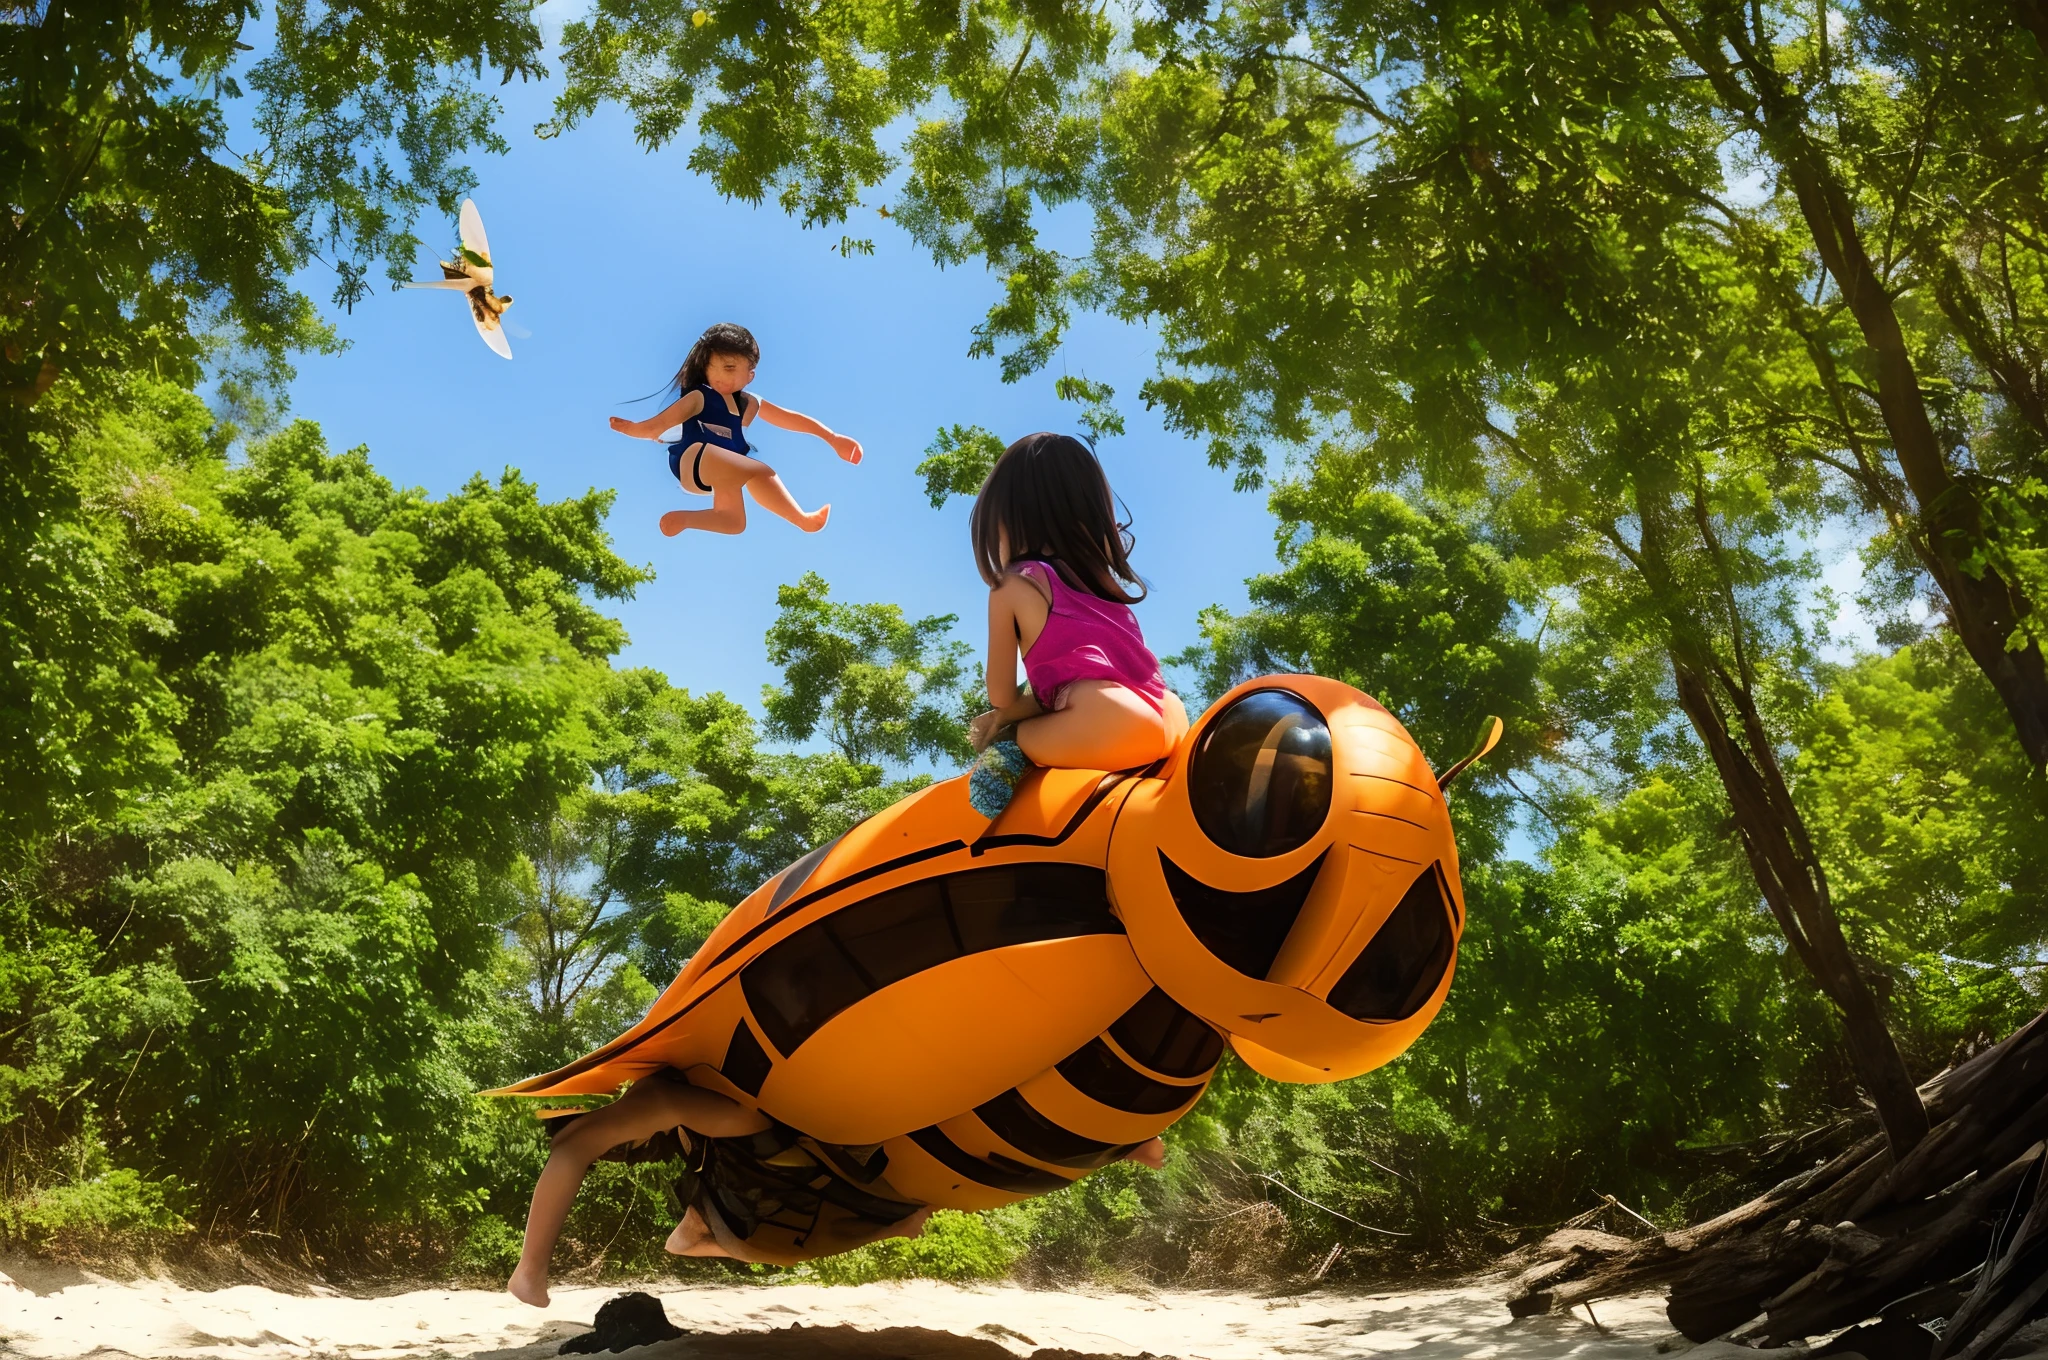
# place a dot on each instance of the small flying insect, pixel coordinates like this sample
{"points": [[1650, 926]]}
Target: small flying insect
{"points": [[471, 274]]}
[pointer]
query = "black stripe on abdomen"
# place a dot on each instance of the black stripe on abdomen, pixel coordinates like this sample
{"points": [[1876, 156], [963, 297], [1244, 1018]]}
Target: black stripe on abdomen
{"points": [[1098, 1073], [1013, 1119], [1167, 1037], [998, 1173], [800, 983]]}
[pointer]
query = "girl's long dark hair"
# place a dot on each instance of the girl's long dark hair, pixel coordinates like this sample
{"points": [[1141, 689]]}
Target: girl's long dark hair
{"points": [[1047, 494], [724, 338]]}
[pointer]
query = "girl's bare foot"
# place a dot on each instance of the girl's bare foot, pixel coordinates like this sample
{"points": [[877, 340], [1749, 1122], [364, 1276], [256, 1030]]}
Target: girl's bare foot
{"points": [[693, 1237], [1150, 1153], [529, 1287], [815, 521], [673, 523]]}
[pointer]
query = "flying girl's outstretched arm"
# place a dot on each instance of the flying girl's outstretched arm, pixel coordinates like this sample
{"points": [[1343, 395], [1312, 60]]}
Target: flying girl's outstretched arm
{"points": [[679, 410], [1016, 611], [783, 418]]}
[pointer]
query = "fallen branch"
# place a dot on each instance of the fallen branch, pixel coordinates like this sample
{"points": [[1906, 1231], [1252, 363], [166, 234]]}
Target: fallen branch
{"points": [[1857, 1234]]}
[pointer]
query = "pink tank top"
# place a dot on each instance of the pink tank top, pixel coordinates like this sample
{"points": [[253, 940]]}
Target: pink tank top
{"points": [[1087, 638]]}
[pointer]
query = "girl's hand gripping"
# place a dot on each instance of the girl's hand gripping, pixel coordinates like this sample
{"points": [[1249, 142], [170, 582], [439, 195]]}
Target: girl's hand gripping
{"points": [[982, 728], [846, 447]]}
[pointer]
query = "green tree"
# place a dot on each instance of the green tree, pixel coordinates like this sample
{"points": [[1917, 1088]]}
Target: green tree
{"points": [[880, 686], [139, 242], [1931, 824], [957, 462], [139, 238], [573, 936], [1413, 605], [257, 976]]}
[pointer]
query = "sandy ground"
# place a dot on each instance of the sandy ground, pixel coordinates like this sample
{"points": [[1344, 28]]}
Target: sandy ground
{"points": [[156, 1318]]}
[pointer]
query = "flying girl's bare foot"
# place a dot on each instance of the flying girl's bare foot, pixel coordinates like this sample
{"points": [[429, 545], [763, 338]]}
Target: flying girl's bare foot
{"points": [[815, 521], [673, 522], [1150, 1153], [529, 1287]]}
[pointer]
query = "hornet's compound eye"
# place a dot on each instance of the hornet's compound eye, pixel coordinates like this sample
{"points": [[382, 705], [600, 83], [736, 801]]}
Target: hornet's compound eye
{"points": [[1260, 780]]}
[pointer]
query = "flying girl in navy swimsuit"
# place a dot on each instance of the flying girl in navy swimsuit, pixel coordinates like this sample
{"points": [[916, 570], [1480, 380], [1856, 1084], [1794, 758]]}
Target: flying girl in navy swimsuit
{"points": [[705, 430]]}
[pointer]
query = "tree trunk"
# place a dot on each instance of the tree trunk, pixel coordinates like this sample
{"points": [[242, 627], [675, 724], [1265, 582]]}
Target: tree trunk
{"points": [[1985, 609], [1789, 876]]}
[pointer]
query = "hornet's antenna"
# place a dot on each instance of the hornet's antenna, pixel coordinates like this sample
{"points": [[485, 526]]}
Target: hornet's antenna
{"points": [[1489, 737]]}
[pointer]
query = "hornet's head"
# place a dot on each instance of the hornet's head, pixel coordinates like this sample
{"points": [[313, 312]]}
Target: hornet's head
{"points": [[1291, 878]]}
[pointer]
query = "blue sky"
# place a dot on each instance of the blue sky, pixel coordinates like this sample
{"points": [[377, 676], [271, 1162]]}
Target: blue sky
{"points": [[617, 259]]}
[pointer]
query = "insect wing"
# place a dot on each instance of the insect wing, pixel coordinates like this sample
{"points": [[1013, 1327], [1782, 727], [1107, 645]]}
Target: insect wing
{"points": [[473, 237], [494, 336]]}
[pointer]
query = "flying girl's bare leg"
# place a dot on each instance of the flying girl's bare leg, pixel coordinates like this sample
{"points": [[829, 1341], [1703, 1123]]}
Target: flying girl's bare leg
{"points": [[646, 1109], [728, 475], [727, 515], [1104, 726], [728, 512], [771, 495]]}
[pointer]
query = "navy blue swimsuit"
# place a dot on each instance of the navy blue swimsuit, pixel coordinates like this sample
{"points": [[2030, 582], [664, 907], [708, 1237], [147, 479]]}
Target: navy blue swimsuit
{"points": [[716, 426]]}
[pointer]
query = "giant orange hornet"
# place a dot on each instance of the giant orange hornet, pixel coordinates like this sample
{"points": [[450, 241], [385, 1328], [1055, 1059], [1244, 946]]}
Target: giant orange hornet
{"points": [[935, 1009]]}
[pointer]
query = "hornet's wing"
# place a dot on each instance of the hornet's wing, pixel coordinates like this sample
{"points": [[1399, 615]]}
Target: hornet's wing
{"points": [[473, 238], [459, 285], [493, 332]]}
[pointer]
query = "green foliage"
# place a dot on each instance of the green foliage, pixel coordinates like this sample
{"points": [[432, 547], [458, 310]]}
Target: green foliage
{"points": [[1941, 871], [144, 241], [113, 1206], [1098, 417], [670, 936], [880, 686], [490, 1247], [261, 957], [1410, 603], [957, 462], [953, 1246]]}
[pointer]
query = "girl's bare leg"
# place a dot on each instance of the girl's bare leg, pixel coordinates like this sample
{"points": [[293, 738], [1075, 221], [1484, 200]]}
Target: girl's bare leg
{"points": [[645, 1110], [727, 515], [1104, 726], [729, 474], [1151, 1152], [1176, 716], [771, 495]]}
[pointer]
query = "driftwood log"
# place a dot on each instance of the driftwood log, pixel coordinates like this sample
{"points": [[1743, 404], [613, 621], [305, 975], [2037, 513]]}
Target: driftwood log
{"points": [[1954, 1237]]}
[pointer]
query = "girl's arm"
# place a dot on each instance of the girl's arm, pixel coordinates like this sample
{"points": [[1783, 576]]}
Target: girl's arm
{"points": [[679, 410], [783, 418], [1008, 703]]}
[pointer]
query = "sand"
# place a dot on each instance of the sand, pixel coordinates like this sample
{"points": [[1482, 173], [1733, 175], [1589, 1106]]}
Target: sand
{"points": [[76, 1314]]}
